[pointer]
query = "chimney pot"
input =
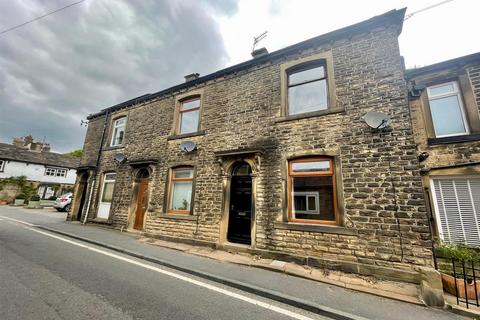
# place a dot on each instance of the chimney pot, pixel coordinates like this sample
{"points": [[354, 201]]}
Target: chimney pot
{"points": [[192, 76]]}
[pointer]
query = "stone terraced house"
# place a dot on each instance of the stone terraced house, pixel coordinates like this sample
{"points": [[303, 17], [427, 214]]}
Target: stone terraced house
{"points": [[444, 101], [272, 156]]}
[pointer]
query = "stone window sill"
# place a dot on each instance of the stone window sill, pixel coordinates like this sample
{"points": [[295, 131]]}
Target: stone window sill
{"points": [[113, 148], [177, 216], [315, 228], [186, 135], [309, 115], [456, 139]]}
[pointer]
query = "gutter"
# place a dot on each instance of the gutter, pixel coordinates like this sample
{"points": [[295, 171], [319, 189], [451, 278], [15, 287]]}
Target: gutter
{"points": [[457, 62]]}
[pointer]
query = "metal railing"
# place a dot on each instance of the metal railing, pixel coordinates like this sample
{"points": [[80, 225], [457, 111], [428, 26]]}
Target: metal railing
{"points": [[466, 286]]}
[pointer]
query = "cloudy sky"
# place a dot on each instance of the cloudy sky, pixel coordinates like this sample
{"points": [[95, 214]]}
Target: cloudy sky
{"points": [[56, 71]]}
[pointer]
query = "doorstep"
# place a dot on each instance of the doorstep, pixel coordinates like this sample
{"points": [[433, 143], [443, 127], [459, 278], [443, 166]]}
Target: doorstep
{"points": [[405, 292]]}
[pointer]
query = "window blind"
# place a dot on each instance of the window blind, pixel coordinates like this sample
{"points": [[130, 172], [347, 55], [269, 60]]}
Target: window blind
{"points": [[457, 206]]}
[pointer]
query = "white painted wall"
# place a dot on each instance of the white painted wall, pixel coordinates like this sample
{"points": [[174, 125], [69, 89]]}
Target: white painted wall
{"points": [[35, 172]]}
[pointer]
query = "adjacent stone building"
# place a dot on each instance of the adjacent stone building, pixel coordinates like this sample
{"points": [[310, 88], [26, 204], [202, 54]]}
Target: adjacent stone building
{"points": [[444, 101], [272, 156], [51, 173]]}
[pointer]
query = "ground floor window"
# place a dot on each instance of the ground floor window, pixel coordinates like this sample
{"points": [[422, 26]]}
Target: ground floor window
{"points": [[457, 209], [311, 187], [2, 165], [46, 191], [181, 186]]}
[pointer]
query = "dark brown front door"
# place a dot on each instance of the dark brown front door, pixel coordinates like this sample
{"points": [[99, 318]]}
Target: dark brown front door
{"points": [[240, 216], [142, 200]]}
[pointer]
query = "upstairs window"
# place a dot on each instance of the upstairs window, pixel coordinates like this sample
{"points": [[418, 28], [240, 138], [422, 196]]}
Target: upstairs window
{"points": [[56, 172], [118, 132], [181, 187], [446, 107], [2, 165], [312, 193], [307, 89], [189, 115]]}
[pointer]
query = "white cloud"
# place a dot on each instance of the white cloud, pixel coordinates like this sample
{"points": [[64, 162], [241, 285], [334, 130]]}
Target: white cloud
{"points": [[441, 33], [55, 71]]}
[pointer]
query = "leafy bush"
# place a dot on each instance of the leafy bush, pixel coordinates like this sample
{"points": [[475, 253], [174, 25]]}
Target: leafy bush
{"points": [[52, 198], [21, 196], [35, 197], [19, 181], [460, 252]]}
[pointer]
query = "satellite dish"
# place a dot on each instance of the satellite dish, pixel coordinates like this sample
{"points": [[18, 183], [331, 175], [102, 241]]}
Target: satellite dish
{"points": [[120, 158], [188, 146], [377, 120]]}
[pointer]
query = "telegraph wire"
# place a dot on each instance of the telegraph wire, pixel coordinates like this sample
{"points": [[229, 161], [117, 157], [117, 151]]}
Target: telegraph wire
{"points": [[40, 17], [408, 16]]}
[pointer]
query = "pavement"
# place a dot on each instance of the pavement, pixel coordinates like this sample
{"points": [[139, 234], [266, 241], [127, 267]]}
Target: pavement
{"points": [[125, 291]]}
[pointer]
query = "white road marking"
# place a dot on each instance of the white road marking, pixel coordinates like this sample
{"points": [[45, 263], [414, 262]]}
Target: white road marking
{"points": [[19, 221], [180, 277]]}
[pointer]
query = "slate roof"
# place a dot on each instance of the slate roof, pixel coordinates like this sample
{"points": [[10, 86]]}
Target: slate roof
{"points": [[14, 153], [391, 17], [457, 62]]}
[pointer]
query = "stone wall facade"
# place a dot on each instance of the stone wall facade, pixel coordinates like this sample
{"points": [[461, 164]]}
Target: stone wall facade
{"points": [[449, 157], [383, 219]]}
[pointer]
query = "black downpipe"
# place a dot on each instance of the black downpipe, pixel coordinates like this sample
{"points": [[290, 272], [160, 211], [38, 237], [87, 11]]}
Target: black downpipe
{"points": [[95, 170], [102, 141]]}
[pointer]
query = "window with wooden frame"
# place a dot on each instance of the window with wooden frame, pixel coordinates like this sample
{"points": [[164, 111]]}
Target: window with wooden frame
{"points": [[181, 190], [189, 115], [447, 110], [307, 88], [312, 191], [118, 132]]}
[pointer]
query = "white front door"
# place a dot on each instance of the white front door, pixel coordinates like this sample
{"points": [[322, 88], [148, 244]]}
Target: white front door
{"points": [[106, 196]]}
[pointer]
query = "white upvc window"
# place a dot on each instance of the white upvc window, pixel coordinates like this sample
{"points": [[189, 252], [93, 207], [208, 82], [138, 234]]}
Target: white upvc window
{"points": [[118, 133], [447, 110], [2, 165], [306, 202], [56, 172], [457, 209]]}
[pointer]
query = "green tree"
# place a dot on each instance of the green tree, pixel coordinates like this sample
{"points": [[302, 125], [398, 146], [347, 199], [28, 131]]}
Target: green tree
{"points": [[75, 153]]}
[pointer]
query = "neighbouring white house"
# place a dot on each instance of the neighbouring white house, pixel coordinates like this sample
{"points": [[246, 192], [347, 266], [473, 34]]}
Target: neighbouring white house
{"points": [[51, 173]]}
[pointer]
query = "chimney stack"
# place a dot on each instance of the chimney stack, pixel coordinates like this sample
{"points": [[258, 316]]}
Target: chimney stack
{"points": [[259, 52], [192, 76]]}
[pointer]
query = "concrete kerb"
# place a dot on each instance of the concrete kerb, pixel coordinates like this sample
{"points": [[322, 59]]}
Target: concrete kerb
{"points": [[266, 293]]}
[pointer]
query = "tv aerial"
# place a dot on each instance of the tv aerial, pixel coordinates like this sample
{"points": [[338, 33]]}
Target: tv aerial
{"points": [[188, 146], [377, 120], [259, 38]]}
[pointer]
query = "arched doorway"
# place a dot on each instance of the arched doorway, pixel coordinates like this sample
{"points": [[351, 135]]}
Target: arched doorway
{"points": [[142, 180], [80, 197], [240, 211]]}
